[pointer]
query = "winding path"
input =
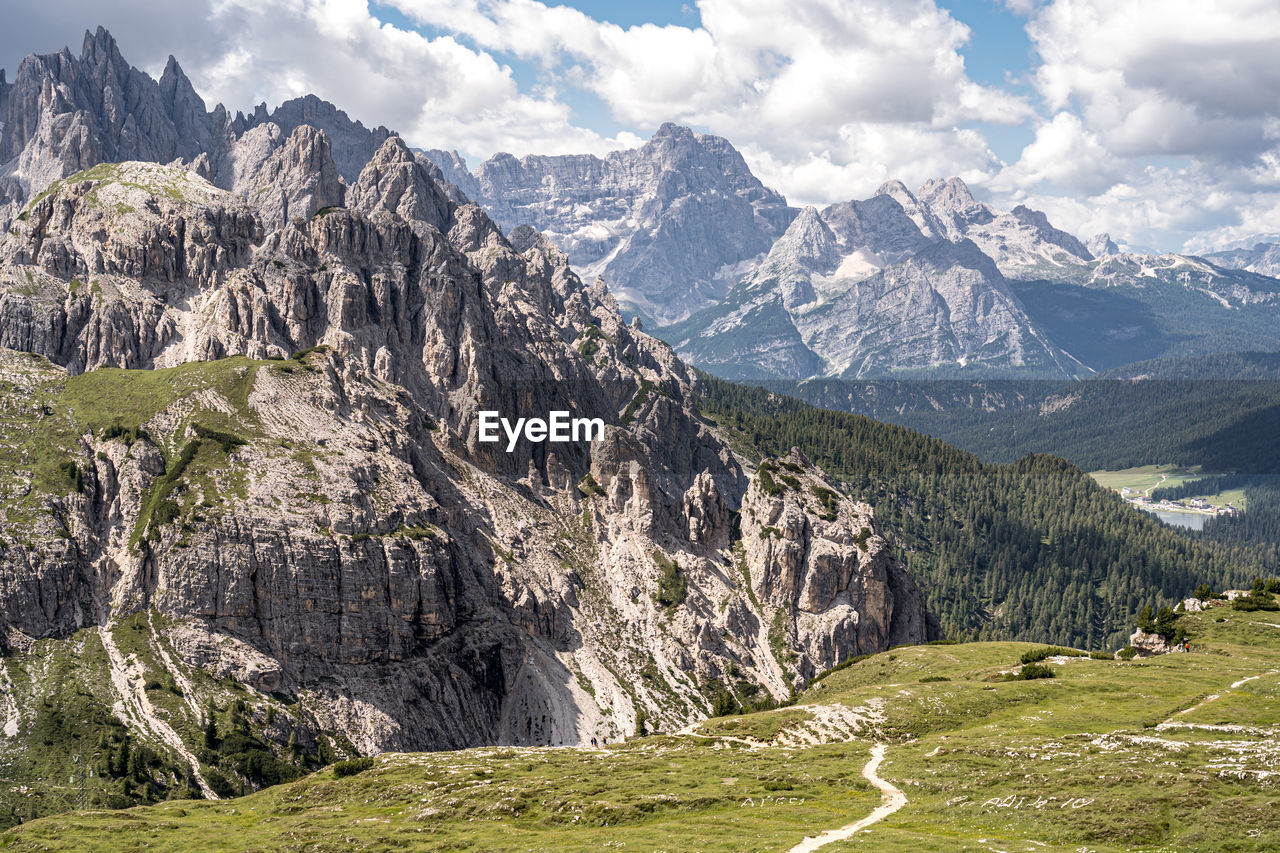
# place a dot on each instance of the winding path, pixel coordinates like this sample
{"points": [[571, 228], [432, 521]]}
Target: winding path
{"points": [[891, 800], [1172, 722]]}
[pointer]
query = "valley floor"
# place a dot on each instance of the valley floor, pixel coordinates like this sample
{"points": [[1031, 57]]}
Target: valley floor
{"points": [[1180, 752]]}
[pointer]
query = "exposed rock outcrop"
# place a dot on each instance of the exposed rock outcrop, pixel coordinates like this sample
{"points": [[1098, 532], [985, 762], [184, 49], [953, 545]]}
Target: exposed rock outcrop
{"points": [[337, 518], [1021, 242], [1146, 644], [352, 143], [289, 178], [859, 289], [669, 225], [1100, 245]]}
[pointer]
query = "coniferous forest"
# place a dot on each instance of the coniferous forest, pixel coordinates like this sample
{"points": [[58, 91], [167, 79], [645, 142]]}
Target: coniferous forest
{"points": [[1031, 550]]}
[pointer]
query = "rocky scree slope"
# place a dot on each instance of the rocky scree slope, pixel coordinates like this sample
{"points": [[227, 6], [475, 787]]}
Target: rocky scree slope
{"points": [[326, 530], [669, 225]]}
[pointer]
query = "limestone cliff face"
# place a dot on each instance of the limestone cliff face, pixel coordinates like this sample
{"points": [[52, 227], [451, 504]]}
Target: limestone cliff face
{"points": [[862, 289], [330, 527], [285, 178], [820, 559], [668, 225]]}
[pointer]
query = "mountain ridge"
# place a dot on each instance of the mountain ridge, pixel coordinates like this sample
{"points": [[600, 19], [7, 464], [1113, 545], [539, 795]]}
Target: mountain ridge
{"points": [[664, 223], [261, 455]]}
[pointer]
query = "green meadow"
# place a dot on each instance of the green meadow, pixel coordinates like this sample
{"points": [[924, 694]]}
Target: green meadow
{"points": [[1161, 753]]}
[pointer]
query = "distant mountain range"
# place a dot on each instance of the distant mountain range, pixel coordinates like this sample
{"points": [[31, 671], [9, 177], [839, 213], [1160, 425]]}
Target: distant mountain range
{"points": [[1262, 258], [890, 283], [670, 225], [932, 283]]}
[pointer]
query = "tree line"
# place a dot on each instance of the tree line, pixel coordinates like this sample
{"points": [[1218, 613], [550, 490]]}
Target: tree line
{"points": [[1033, 550]]}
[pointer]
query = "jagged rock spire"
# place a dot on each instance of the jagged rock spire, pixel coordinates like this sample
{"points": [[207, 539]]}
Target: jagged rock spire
{"points": [[290, 179], [394, 181]]}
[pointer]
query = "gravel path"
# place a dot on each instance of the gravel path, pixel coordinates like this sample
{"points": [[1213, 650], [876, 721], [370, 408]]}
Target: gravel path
{"points": [[891, 800]]}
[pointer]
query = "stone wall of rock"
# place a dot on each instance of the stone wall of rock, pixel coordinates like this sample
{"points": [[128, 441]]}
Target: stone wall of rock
{"points": [[361, 546]]}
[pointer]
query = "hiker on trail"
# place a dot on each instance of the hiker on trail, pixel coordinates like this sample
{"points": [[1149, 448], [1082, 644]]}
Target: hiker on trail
{"points": [[593, 743]]}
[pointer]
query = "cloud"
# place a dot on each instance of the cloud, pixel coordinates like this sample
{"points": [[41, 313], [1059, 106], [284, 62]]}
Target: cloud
{"points": [[868, 156], [1064, 154], [1164, 77], [815, 92], [1195, 208], [1165, 119]]}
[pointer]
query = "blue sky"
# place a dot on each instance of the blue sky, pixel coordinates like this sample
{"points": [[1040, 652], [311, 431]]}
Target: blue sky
{"points": [[1155, 120], [998, 53]]}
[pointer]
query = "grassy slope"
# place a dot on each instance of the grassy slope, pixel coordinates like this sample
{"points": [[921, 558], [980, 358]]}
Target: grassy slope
{"points": [[44, 415], [53, 762], [1146, 477], [1071, 763]]}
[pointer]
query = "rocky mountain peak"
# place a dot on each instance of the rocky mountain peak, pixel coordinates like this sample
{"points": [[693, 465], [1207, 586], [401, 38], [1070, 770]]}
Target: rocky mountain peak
{"points": [[860, 289], [393, 151], [808, 242], [1038, 221], [100, 48], [352, 143], [286, 179], [923, 218], [1102, 244], [895, 189], [669, 130], [394, 181], [669, 225], [453, 169], [1262, 258], [879, 225], [951, 194], [66, 114]]}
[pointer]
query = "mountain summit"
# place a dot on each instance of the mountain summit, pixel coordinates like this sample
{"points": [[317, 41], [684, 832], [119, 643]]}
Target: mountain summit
{"points": [[240, 453], [668, 225], [865, 288]]}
